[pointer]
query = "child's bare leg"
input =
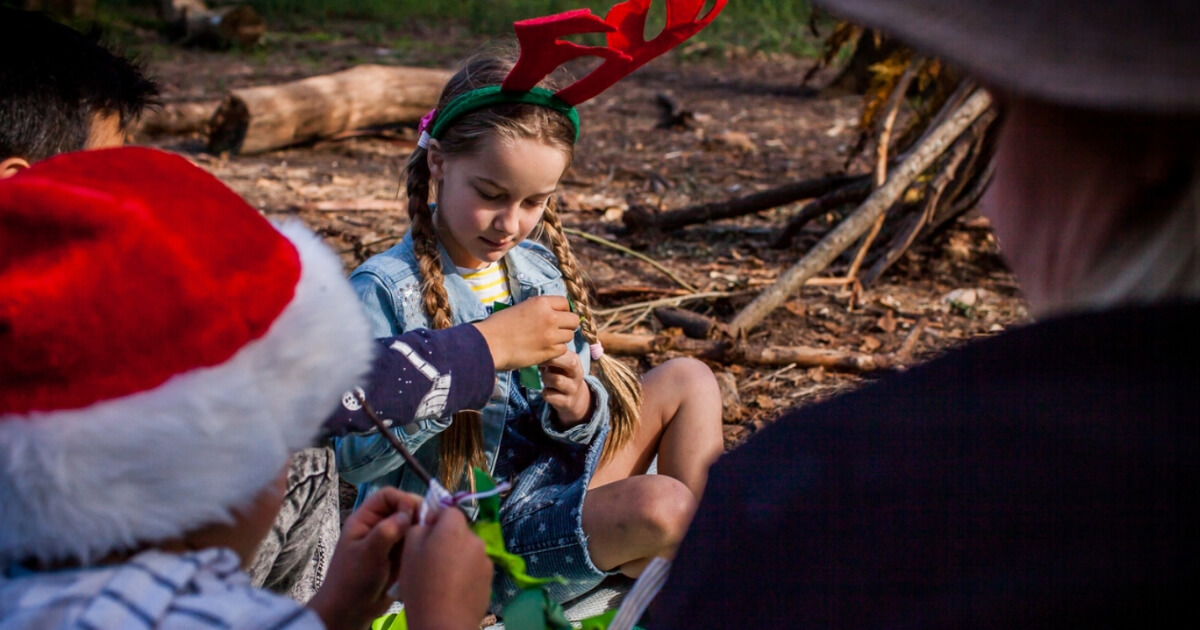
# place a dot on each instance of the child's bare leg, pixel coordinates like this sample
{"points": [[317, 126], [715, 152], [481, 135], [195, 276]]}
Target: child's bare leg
{"points": [[630, 517], [629, 522], [680, 422]]}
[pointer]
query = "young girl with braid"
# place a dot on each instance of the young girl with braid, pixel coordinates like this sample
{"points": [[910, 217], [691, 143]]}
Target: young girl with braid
{"points": [[574, 447]]}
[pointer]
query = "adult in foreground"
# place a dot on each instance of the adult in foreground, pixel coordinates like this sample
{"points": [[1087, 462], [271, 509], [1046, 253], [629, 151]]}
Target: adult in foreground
{"points": [[1041, 477]]}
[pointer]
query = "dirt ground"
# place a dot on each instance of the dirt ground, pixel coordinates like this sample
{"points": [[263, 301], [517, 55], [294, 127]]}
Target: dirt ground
{"points": [[753, 127]]}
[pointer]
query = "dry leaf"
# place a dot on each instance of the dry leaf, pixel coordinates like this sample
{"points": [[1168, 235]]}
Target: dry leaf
{"points": [[764, 401], [834, 327], [737, 140], [870, 344], [796, 307], [887, 323]]}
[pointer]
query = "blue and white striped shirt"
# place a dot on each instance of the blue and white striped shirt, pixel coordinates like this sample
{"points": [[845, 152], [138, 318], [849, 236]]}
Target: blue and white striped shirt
{"points": [[203, 590]]}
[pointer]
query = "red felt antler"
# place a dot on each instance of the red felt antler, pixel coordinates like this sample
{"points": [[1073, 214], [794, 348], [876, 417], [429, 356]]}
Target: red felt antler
{"points": [[542, 51]]}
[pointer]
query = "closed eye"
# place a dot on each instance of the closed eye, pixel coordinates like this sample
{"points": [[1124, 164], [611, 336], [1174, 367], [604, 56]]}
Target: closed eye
{"points": [[488, 196]]}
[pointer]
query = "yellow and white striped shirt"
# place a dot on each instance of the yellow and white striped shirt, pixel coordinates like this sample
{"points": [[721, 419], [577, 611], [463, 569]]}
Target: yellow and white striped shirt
{"points": [[489, 284]]}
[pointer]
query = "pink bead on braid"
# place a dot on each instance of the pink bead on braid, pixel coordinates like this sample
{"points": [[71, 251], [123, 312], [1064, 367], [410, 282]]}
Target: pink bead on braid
{"points": [[597, 350], [423, 128]]}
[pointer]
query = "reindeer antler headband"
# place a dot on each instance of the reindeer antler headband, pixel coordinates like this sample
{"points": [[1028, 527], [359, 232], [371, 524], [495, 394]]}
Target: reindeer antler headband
{"points": [[542, 51]]}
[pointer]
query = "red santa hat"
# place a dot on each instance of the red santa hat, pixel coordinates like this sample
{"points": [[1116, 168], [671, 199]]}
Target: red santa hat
{"points": [[162, 350]]}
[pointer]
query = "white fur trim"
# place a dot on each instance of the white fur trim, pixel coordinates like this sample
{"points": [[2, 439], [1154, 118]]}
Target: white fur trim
{"points": [[153, 465]]}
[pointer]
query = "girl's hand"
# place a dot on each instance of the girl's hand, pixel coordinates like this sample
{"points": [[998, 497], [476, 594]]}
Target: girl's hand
{"points": [[565, 390], [529, 333], [367, 560], [445, 577]]}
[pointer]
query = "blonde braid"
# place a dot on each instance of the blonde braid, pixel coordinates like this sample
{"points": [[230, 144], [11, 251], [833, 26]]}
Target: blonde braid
{"points": [[624, 389], [461, 444]]}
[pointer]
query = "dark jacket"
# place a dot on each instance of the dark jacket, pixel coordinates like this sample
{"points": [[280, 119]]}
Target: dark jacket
{"points": [[1043, 477]]}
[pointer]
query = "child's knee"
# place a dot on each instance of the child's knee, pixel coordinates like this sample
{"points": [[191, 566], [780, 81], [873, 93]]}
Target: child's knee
{"points": [[689, 378], [663, 508]]}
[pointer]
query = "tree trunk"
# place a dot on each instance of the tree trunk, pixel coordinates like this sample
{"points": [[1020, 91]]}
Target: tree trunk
{"points": [[260, 119]]}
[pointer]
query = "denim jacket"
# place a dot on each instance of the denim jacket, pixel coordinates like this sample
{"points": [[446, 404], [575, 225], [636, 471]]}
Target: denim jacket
{"points": [[389, 286]]}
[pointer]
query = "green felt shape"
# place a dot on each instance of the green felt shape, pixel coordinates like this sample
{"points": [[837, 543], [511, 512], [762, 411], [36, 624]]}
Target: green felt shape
{"points": [[487, 527], [530, 377], [393, 621], [489, 507], [602, 621], [532, 609], [599, 622]]}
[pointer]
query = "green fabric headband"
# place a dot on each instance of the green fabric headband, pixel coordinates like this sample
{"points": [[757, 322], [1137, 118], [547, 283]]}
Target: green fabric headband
{"points": [[493, 95]]}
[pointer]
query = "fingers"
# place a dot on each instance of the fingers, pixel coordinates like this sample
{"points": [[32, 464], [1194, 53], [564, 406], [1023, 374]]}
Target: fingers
{"points": [[378, 507], [384, 536], [562, 384], [555, 302], [567, 363]]}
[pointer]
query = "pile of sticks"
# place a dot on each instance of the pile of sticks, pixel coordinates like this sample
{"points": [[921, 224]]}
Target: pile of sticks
{"points": [[915, 187]]}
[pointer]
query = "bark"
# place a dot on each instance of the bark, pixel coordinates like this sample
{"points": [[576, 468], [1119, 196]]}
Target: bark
{"points": [[260, 119]]}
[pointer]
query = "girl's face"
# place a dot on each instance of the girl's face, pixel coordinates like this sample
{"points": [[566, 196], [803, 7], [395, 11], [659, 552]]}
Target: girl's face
{"points": [[491, 199]]}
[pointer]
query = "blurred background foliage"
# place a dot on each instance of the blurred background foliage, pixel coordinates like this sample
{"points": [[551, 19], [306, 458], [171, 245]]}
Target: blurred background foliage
{"points": [[769, 26]]}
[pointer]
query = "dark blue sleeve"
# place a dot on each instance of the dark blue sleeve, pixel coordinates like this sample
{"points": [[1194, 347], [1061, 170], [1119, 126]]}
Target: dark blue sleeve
{"points": [[420, 374]]}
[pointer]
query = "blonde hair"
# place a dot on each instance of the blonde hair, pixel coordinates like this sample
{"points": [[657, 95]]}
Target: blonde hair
{"points": [[461, 444]]}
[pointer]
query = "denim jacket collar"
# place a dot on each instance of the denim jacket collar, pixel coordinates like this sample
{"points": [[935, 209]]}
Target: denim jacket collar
{"points": [[528, 273]]}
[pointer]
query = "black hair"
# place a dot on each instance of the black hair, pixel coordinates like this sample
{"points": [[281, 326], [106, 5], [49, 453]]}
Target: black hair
{"points": [[54, 80]]}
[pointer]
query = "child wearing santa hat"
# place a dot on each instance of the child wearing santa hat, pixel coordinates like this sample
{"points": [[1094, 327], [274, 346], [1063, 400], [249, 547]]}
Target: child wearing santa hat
{"points": [[164, 349]]}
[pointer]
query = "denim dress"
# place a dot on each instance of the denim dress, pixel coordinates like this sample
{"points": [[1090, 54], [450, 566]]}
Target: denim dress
{"points": [[550, 468]]}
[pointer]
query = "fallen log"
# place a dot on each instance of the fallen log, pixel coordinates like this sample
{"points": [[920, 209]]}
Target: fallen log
{"points": [[260, 119], [640, 218], [853, 227], [726, 351], [853, 193], [692, 324], [175, 119]]}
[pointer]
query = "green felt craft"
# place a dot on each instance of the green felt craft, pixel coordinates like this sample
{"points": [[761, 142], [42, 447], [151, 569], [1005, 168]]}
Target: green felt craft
{"points": [[391, 621], [487, 527]]}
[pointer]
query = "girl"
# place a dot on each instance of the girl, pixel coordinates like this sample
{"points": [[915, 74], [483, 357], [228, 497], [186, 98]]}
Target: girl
{"points": [[574, 446]]}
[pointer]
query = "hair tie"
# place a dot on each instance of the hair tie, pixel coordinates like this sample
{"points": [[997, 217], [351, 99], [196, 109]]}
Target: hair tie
{"points": [[423, 128], [597, 350], [462, 497]]}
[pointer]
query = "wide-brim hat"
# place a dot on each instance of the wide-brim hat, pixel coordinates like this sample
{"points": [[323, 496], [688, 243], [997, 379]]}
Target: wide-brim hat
{"points": [[163, 349], [1100, 54]]}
